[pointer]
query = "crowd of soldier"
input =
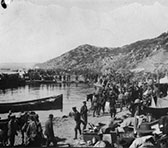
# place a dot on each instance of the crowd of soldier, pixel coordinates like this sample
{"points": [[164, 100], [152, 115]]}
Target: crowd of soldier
{"points": [[31, 130]]}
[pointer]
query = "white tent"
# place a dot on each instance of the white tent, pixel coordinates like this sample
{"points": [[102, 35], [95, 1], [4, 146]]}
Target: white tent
{"points": [[153, 104], [162, 102], [164, 80]]}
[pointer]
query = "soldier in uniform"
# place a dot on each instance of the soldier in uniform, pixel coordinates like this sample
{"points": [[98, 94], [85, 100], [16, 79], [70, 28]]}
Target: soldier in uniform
{"points": [[49, 132], [77, 119], [83, 113], [12, 130]]}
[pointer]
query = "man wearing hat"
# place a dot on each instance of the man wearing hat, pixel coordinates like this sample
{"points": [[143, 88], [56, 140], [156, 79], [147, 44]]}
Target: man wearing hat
{"points": [[145, 136], [83, 113], [12, 130], [49, 132], [31, 131], [135, 107], [39, 130], [78, 122], [112, 104]]}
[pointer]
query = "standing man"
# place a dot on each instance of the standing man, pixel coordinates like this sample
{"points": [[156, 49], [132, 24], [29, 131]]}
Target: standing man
{"points": [[31, 132], [12, 128], [78, 122], [95, 104], [112, 100], [49, 132], [83, 113], [120, 100], [103, 101], [39, 131]]}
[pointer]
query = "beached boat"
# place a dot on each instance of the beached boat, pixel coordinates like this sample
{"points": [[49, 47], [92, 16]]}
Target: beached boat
{"points": [[158, 109], [156, 112], [49, 103]]}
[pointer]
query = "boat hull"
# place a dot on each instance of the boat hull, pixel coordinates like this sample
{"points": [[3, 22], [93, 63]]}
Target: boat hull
{"points": [[49, 103], [156, 112]]}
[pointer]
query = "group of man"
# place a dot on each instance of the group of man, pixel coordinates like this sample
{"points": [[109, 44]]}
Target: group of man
{"points": [[120, 94], [80, 117], [30, 128], [133, 96]]}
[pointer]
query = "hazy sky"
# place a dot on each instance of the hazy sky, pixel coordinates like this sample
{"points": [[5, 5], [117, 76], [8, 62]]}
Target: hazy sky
{"points": [[38, 30]]}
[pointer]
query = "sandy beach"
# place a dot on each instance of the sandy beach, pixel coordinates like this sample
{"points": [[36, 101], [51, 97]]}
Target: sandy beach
{"points": [[64, 127]]}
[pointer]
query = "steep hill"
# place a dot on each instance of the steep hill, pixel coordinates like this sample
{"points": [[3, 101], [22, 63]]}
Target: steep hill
{"points": [[147, 54]]}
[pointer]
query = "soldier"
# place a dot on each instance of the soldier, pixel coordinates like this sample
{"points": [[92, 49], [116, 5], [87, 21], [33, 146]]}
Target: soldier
{"points": [[49, 132], [12, 128], [78, 122], [95, 105], [31, 132], [39, 130], [83, 113], [112, 100]]}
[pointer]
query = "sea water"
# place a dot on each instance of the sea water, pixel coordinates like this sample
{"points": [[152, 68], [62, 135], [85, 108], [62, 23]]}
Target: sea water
{"points": [[73, 95]]}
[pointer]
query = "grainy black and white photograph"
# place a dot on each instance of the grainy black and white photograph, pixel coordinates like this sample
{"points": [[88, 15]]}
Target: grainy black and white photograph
{"points": [[84, 73]]}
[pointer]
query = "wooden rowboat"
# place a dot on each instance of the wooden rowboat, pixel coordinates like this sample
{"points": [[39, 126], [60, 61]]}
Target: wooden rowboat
{"points": [[156, 112], [49, 103]]}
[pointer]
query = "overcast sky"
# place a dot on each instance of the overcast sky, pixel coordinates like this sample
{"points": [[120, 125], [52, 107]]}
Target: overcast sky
{"points": [[38, 30]]}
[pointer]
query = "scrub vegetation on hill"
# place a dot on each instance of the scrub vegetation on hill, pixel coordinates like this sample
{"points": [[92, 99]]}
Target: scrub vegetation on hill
{"points": [[147, 54]]}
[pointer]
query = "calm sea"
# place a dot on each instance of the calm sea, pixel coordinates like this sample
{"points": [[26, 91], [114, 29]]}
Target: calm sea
{"points": [[73, 95]]}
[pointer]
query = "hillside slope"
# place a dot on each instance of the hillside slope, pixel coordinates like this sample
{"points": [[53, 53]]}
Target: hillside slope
{"points": [[147, 54]]}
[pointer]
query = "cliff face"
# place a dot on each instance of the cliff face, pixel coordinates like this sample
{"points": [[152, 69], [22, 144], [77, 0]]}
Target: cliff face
{"points": [[147, 54]]}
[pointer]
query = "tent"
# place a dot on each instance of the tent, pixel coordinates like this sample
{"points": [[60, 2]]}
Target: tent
{"points": [[164, 80], [162, 102]]}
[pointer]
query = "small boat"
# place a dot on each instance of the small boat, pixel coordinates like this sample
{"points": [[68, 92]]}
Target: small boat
{"points": [[156, 112], [49, 103], [158, 109]]}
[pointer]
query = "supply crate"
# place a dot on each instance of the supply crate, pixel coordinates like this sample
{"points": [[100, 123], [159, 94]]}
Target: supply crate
{"points": [[90, 136]]}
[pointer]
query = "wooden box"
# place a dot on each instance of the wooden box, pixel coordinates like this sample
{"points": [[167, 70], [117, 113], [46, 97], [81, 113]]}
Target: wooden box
{"points": [[90, 136]]}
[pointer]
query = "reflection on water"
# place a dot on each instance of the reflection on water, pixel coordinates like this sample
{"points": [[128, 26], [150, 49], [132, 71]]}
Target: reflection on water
{"points": [[73, 94]]}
